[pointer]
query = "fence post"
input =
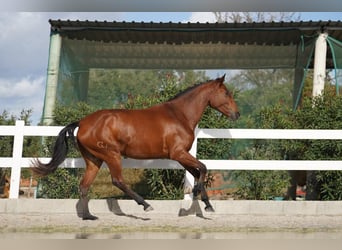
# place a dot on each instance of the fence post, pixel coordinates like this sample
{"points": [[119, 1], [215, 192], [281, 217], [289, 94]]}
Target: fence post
{"points": [[16, 156], [189, 180]]}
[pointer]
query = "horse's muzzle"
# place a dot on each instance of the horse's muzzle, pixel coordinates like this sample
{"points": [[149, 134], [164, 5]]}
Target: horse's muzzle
{"points": [[235, 115]]}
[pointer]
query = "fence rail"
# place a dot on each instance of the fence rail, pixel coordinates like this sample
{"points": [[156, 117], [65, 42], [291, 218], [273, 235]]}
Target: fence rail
{"points": [[19, 131]]}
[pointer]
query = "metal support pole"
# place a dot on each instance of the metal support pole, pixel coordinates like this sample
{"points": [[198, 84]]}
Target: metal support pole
{"points": [[320, 64], [52, 78], [319, 76], [298, 77]]}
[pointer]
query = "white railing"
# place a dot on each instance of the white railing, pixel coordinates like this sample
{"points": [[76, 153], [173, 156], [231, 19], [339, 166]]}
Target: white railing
{"points": [[19, 131]]}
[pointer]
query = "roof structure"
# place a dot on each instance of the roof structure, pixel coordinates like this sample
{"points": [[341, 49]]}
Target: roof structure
{"points": [[76, 47], [95, 44]]}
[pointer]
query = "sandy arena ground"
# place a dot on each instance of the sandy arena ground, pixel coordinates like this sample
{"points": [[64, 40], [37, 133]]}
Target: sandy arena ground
{"points": [[170, 219], [287, 226]]}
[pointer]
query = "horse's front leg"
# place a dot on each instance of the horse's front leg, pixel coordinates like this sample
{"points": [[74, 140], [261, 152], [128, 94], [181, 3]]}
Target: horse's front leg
{"points": [[199, 187], [194, 166]]}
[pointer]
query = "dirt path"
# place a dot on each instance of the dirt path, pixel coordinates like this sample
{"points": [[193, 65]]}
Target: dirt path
{"points": [[152, 222], [46, 217]]}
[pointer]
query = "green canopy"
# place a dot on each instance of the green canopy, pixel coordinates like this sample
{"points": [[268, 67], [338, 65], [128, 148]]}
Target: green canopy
{"points": [[88, 45]]}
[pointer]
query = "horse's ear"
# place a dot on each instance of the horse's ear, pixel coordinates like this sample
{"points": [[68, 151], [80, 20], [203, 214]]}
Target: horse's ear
{"points": [[221, 79]]}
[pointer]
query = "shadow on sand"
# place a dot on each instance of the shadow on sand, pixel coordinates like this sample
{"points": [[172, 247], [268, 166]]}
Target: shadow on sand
{"points": [[114, 207], [194, 209]]}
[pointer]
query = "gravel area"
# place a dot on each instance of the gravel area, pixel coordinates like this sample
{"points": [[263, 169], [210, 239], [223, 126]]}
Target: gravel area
{"points": [[153, 222], [124, 219]]}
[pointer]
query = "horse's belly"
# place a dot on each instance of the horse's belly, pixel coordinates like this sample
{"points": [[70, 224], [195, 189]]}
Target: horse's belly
{"points": [[146, 150], [144, 154]]}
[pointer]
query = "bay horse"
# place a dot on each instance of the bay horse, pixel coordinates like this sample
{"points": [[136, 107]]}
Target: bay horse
{"points": [[164, 130]]}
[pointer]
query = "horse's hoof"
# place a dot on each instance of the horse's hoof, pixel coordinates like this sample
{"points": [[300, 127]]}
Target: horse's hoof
{"points": [[149, 208], [209, 209], [90, 217]]}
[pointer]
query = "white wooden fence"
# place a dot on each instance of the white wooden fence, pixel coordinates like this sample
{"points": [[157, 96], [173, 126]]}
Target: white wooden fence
{"points": [[16, 162]]}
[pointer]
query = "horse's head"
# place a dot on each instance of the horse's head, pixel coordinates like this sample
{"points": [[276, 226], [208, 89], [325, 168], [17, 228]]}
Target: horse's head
{"points": [[222, 100]]}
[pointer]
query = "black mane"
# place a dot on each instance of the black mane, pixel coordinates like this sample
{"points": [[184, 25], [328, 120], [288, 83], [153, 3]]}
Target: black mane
{"points": [[187, 90]]}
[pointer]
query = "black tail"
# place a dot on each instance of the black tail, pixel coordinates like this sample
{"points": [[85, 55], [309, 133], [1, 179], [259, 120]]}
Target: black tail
{"points": [[59, 152]]}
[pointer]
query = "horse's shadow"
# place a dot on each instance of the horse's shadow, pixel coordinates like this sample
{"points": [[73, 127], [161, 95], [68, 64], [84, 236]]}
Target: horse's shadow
{"points": [[194, 209], [113, 206]]}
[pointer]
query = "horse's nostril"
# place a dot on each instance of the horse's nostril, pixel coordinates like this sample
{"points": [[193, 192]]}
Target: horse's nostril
{"points": [[237, 115]]}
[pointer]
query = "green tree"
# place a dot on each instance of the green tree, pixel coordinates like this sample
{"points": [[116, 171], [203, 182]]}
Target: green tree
{"points": [[260, 87], [323, 112], [109, 87], [63, 183], [240, 17]]}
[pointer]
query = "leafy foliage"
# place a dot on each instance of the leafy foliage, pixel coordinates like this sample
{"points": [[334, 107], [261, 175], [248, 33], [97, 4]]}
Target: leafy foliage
{"points": [[108, 88], [323, 112], [64, 115], [249, 17], [60, 185], [165, 183], [260, 185], [256, 184], [331, 187]]}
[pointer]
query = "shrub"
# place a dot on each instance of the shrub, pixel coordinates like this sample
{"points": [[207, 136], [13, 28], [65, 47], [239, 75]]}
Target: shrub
{"points": [[60, 185], [261, 185], [323, 112]]}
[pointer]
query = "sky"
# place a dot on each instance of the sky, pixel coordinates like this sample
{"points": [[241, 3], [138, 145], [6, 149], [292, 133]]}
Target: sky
{"points": [[24, 47]]}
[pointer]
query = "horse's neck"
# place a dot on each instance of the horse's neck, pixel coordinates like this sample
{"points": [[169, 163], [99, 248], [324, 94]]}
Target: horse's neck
{"points": [[192, 105]]}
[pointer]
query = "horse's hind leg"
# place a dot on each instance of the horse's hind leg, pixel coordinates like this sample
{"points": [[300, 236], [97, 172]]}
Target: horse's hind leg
{"points": [[117, 180], [92, 168]]}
